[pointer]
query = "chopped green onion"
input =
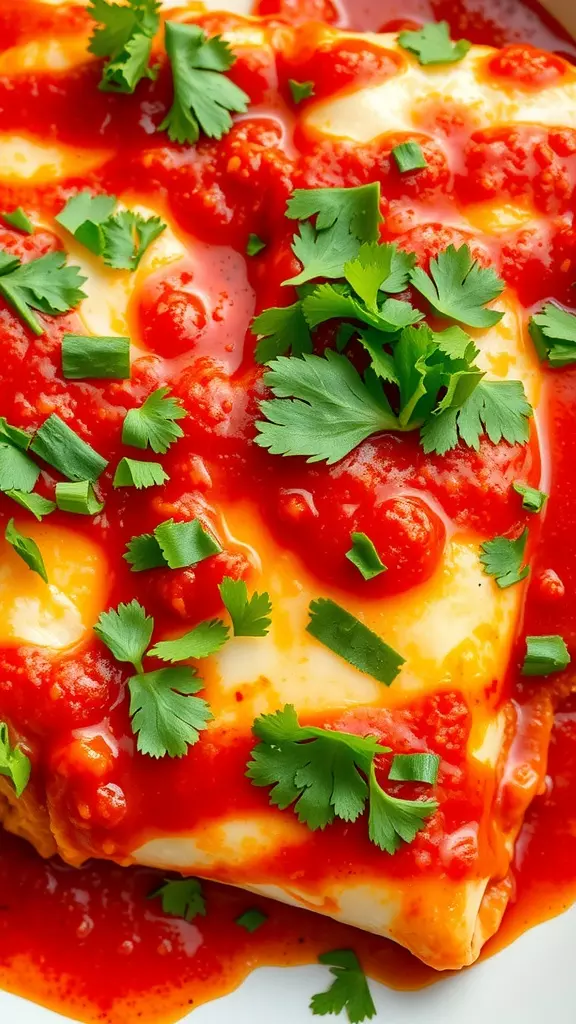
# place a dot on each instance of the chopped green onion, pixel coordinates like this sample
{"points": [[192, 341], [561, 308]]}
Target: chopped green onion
{"points": [[61, 447], [364, 556], [133, 473], [349, 638], [14, 435], [98, 358], [27, 549], [78, 498], [184, 544], [409, 157], [533, 500], [415, 768], [545, 655]]}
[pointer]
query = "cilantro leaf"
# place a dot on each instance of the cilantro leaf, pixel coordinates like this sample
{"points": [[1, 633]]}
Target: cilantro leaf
{"points": [[322, 408], [17, 471], [502, 558], [203, 96], [279, 330], [320, 771], [300, 90], [378, 267], [533, 500], [349, 991], [553, 331], [126, 631], [154, 422], [205, 639], [166, 717], [432, 44], [144, 552], [458, 287], [34, 503], [251, 919], [134, 473], [393, 821], [249, 617], [498, 408], [364, 556], [45, 284], [83, 215], [14, 764], [126, 237], [181, 898], [27, 549], [125, 36], [349, 638], [327, 302], [19, 220], [545, 655], [254, 245]]}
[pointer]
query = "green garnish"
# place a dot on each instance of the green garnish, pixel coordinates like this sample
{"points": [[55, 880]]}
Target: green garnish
{"points": [[349, 638], [432, 44], [166, 715], [533, 500], [134, 473], [61, 447], [34, 503], [345, 217], [497, 408], [349, 991], [300, 90], [126, 39], [323, 774], [95, 357], [281, 329], [176, 545], [143, 552], [153, 424], [553, 331], [19, 220], [364, 556], [545, 655], [251, 919], [409, 157], [502, 558], [45, 284], [27, 549], [459, 287], [204, 640], [181, 898], [78, 498], [14, 765], [17, 471], [414, 768], [254, 245], [14, 435], [203, 95], [121, 239], [249, 616], [126, 631]]}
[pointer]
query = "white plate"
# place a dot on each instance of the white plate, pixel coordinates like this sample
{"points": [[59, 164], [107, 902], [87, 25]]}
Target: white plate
{"points": [[530, 982]]}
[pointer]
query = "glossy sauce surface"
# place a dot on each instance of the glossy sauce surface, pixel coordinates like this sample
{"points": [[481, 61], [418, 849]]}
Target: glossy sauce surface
{"points": [[183, 320]]}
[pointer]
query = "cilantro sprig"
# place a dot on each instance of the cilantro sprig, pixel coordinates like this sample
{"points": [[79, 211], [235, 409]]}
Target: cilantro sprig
{"points": [[459, 287], [120, 238], [45, 284], [203, 95], [432, 44], [153, 424], [124, 36], [502, 558], [182, 897], [250, 616], [325, 774], [349, 991]]}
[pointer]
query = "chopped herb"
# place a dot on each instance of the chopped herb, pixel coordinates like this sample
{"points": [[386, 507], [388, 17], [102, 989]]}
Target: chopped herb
{"points": [[364, 556], [254, 245], [27, 549], [533, 500], [125, 37], [121, 239], [78, 497], [14, 765], [126, 631], [349, 991], [249, 616], [350, 639], [432, 44], [166, 715], [17, 471], [300, 90], [393, 821], [34, 503], [203, 95], [83, 216], [154, 424], [502, 558], [143, 552], [14, 435], [459, 287], [252, 919], [281, 329], [184, 544], [45, 284], [85, 357], [414, 768], [133, 473], [182, 898], [498, 408], [19, 220], [553, 331], [545, 655], [204, 640], [409, 157], [61, 447]]}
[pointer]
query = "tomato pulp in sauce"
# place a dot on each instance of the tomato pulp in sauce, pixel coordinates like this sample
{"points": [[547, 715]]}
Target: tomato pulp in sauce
{"points": [[89, 940]]}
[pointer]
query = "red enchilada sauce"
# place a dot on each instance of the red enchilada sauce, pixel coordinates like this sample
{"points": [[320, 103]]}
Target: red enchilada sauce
{"points": [[88, 941]]}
